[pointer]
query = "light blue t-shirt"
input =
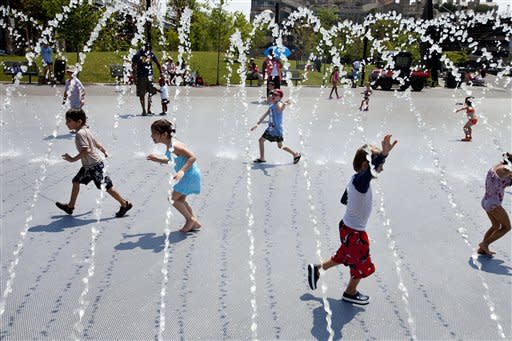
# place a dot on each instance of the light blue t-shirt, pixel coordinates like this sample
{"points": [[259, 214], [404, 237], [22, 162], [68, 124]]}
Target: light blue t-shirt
{"points": [[275, 122], [46, 54]]}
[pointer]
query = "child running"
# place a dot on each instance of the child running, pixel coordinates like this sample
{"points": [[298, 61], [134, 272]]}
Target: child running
{"points": [[188, 175], [354, 250], [335, 78], [365, 103], [498, 177], [472, 118], [92, 164], [274, 131]]}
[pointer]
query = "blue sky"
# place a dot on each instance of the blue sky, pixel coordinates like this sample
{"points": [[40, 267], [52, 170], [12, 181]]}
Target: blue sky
{"points": [[243, 6]]}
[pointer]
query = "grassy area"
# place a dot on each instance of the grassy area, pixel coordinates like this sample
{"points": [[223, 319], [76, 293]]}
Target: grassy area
{"points": [[96, 67]]}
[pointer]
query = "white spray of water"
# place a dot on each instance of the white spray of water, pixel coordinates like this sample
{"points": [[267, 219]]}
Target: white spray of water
{"points": [[238, 45], [386, 223], [165, 262], [459, 215]]}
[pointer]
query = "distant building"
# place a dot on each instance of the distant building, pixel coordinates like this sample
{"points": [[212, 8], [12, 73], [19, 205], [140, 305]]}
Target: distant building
{"points": [[286, 7], [356, 10]]}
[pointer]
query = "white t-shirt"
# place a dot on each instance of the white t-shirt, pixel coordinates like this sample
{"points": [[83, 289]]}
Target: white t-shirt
{"points": [[75, 90], [164, 92], [359, 207]]}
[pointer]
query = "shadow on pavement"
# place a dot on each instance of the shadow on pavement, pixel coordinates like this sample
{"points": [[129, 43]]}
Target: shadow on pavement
{"points": [[65, 222], [492, 265], [342, 314], [151, 241]]}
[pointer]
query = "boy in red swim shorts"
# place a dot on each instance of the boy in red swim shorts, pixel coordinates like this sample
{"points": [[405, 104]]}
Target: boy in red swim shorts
{"points": [[354, 250]]}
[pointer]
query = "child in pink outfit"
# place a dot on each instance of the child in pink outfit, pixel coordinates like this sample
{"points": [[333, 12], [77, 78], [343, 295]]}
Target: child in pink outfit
{"points": [[335, 78], [498, 177]]}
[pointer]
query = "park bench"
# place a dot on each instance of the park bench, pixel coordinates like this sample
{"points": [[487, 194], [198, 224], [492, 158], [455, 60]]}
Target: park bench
{"points": [[13, 68], [250, 77], [296, 76], [116, 72]]}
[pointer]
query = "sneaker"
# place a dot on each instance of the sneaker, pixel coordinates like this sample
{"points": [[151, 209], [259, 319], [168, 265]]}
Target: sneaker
{"points": [[65, 207], [313, 276], [358, 298], [163, 113], [122, 211]]}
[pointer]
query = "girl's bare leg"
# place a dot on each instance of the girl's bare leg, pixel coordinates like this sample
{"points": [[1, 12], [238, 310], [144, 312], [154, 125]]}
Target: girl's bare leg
{"points": [[178, 201], [500, 226], [467, 129], [197, 223]]}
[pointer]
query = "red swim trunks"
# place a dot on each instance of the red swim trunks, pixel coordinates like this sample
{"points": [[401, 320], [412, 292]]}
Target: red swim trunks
{"points": [[354, 252], [473, 121]]}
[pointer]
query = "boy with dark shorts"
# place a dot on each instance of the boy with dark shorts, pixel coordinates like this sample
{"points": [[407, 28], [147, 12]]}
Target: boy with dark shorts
{"points": [[354, 250], [92, 164], [143, 68], [274, 131]]}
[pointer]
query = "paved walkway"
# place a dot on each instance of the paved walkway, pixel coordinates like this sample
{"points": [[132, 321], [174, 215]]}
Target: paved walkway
{"points": [[243, 276]]}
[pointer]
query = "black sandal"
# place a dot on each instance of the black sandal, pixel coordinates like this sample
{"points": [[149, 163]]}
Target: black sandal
{"points": [[258, 160], [296, 158]]}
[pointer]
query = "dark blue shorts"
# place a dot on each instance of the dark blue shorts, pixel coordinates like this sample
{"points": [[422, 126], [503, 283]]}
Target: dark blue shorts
{"points": [[86, 175], [272, 138]]}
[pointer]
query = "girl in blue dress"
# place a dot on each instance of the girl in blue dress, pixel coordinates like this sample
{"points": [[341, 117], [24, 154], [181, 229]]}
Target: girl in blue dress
{"points": [[188, 176]]}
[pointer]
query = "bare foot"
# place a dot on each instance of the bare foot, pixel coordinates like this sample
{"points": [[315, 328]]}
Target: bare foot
{"points": [[484, 250], [190, 225]]}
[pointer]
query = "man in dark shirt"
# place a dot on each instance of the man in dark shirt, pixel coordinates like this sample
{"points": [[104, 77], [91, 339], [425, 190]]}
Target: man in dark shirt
{"points": [[143, 69]]}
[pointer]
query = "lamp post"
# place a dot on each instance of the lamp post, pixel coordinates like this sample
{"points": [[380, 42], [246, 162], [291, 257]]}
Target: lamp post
{"points": [[433, 57], [219, 17], [148, 24]]}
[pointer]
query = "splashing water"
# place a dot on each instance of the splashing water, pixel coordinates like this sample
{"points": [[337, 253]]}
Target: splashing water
{"points": [[165, 262]]}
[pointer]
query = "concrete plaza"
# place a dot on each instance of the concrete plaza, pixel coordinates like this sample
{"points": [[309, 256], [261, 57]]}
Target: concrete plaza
{"points": [[243, 275]]}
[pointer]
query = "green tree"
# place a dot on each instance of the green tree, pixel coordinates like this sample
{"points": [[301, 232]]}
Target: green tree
{"points": [[78, 25], [328, 16], [482, 8]]}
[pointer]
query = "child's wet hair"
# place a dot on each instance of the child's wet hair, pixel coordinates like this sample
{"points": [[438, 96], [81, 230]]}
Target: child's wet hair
{"points": [[507, 158], [76, 115], [362, 156], [163, 126], [468, 100]]}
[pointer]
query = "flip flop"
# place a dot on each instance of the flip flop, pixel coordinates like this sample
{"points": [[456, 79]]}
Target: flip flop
{"points": [[296, 158], [258, 160]]}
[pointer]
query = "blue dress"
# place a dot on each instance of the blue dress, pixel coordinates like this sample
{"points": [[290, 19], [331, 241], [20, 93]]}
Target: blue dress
{"points": [[190, 183]]}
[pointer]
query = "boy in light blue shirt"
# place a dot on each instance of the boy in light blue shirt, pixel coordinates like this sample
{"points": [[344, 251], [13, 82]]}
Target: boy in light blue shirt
{"points": [[274, 131]]}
